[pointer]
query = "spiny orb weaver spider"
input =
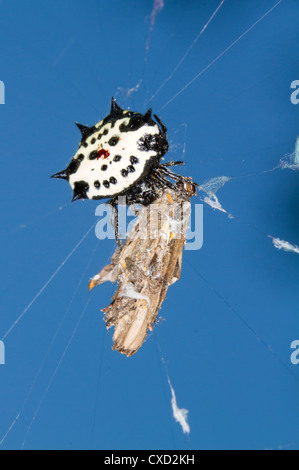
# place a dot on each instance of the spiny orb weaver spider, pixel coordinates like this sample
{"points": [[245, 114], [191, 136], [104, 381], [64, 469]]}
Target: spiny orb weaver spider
{"points": [[120, 156]]}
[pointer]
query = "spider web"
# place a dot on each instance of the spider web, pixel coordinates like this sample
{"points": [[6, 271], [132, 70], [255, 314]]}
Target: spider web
{"points": [[140, 89]]}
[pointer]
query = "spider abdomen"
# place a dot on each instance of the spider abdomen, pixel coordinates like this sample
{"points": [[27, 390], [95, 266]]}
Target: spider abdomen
{"points": [[115, 154]]}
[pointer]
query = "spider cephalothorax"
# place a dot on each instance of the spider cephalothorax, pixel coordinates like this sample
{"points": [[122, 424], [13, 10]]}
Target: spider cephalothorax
{"points": [[121, 155]]}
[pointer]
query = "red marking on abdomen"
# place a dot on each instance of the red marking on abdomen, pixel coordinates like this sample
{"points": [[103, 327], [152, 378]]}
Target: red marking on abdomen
{"points": [[103, 153]]}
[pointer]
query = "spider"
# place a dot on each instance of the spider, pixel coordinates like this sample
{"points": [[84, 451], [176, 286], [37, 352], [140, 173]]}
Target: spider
{"points": [[120, 156]]}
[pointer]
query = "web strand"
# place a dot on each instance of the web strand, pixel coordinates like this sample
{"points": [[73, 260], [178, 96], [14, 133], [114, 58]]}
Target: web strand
{"points": [[220, 55], [49, 349], [187, 52], [245, 323], [46, 284], [54, 373]]}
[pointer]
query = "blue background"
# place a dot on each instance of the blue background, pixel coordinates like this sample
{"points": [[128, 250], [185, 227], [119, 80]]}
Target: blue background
{"points": [[61, 61]]}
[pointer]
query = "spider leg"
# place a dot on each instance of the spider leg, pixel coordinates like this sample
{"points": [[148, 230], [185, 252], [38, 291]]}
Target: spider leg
{"points": [[172, 164], [160, 178], [174, 176], [115, 220], [159, 184], [177, 178]]}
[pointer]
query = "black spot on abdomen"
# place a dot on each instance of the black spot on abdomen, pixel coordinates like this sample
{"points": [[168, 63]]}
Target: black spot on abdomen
{"points": [[113, 141], [133, 159], [93, 155]]}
